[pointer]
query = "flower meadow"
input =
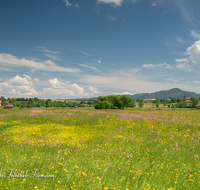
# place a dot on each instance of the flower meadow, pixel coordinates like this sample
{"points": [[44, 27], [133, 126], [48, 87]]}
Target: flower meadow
{"points": [[93, 149]]}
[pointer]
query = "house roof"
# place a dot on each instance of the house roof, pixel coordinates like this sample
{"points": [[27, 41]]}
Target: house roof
{"points": [[198, 105], [188, 98], [8, 106], [149, 99], [0, 102]]}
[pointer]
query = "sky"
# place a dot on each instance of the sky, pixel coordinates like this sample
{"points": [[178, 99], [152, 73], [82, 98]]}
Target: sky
{"points": [[62, 49]]}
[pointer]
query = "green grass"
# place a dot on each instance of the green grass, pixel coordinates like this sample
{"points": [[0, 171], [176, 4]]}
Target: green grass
{"points": [[100, 149]]}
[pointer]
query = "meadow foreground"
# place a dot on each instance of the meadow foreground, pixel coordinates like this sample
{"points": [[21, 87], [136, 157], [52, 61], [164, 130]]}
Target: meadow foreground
{"points": [[90, 149]]}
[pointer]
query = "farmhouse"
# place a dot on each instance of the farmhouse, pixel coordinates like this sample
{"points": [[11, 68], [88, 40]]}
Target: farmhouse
{"points": [[198, 105], [9, 106], [149, 100], [188, 99], [0, 102]]}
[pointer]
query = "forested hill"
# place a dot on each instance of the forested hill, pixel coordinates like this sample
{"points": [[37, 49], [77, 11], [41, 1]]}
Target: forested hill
{"points": [[165, 94]]}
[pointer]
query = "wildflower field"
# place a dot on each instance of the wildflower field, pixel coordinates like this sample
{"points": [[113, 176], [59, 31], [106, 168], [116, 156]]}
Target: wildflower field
{"points": [[93, 149]]}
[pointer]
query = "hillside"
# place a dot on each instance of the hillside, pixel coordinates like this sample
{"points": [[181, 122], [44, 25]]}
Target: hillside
{"points": [[165, 94]]}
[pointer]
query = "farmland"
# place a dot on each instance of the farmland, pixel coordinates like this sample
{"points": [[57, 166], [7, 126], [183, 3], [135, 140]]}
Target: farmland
{"points": [[99, 149]]}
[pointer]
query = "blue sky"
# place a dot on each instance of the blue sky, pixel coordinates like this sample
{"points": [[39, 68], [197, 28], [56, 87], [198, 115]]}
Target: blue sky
{"points": [[79, 49]]}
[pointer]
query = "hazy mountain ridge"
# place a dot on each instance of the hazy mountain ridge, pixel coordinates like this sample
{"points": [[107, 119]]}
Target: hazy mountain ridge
{"points": [[165, 94]]}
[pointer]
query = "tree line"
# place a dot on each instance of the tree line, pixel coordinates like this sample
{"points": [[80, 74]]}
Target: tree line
{"points": [[36, 102]]}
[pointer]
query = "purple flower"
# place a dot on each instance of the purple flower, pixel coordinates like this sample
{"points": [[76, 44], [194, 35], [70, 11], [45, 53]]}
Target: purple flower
{"points": [[196, 156], [176, 144], [58, 151]]}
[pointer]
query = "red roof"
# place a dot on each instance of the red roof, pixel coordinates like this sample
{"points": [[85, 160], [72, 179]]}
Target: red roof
{"points": [[0, 102], [188, 98]]}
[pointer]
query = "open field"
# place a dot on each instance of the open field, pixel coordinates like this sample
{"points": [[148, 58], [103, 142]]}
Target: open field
{"points": [[99, 149]]}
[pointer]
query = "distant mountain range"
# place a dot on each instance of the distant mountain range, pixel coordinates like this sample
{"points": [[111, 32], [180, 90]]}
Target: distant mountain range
{"points": [[165, 94]]}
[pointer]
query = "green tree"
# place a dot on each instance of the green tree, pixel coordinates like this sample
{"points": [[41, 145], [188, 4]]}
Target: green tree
{"points": [[157, 102], [133, 104], [12, 101], [3, 100], [48, 103], [141, 103], [195, 101], [31, 102], [184, 98], [164, 102], [126, 101]]}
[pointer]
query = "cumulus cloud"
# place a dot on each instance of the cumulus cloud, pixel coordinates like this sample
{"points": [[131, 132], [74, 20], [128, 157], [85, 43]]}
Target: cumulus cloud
{"points": [[99, 61], [113, 2], [8, 60], [94, 90], [19, 86], [194, 53], [26, 86], [167, 66], [64, 88], [195, 34]]}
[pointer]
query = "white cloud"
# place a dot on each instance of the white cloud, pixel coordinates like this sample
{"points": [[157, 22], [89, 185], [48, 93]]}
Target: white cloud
{"points": [[180, 40], [90, 67], [80, 52], [153, 5], [68, 4], [19, 86], [4, 68], [122, 93], [53, 57], [94, 90], [167, 66], [111, 17], [195, 34], [46, 50], [64, 89], [8, 60], [114, 2], [195, 82], [99, 61], [194, 53], [184, 66], [1, 79], [181, 60], [28, 87], [123, 80]]}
